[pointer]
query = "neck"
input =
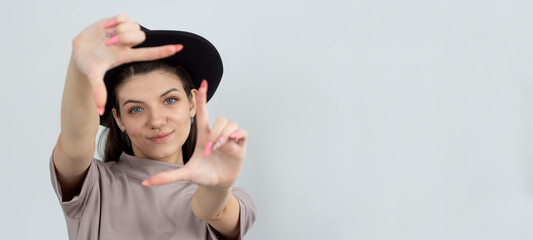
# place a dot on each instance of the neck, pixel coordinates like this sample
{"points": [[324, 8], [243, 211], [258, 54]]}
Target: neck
{"points": [[176, 158]]}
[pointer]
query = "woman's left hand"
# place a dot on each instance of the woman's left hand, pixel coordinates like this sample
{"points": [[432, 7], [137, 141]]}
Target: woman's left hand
{"points": [[218, 154]]}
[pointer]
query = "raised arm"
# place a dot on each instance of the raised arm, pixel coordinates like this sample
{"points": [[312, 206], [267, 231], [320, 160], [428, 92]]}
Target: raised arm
{"points": [[79, 123], [214, 167], [101, 46]]}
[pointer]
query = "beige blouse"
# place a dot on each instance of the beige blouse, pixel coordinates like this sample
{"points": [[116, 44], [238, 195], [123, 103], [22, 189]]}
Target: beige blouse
{"points": [[114, 205]]}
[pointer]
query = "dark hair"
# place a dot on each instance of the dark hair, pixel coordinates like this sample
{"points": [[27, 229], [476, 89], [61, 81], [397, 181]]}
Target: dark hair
{"points": [[118, 142]]}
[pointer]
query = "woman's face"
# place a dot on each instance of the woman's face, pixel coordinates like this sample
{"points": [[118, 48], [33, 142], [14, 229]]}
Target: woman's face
{"points": [[156, 114]]}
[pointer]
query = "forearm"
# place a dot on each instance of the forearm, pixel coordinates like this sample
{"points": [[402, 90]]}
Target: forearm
{"points": [[79, 123], [79, 119], [219, 208]]}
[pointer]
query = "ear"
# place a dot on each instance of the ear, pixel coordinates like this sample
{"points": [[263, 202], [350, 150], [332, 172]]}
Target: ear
{"points": [[192, 102], [117, 120]]}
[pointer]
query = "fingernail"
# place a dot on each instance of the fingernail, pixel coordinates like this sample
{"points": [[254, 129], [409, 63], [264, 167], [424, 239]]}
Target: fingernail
{"points": [[109, 24], [112, 41], [100, 110], [235, 135], [147, 182], [219, 143], [204, 84], [178, 47], [208, 149]]}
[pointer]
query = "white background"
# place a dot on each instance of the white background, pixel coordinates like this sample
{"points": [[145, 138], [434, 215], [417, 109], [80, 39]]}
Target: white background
{"points": [[368, 119]]}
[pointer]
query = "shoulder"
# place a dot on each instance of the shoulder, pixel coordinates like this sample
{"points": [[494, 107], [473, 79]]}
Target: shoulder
{"points": [[241, 193], [246, 201]]}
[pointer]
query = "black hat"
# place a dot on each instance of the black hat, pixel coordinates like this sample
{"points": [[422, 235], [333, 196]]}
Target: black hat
{"points": [[198, 57]]}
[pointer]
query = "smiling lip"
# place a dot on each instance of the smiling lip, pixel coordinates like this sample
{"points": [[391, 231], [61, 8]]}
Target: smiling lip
{"points": [[159, 138]]}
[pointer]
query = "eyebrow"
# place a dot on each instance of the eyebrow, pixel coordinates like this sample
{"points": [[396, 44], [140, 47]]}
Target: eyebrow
{"points": [[169, 91], [162, 95]]}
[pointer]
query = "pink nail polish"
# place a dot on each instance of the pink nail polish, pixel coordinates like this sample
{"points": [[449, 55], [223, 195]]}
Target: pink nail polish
{"points": [[109, 24], [219, 143], [112, 41], [208, 148], [235, 135], [178, 47]]}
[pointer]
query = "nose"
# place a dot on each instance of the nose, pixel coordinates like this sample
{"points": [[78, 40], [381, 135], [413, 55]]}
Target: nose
{"points": [[157, 118]]}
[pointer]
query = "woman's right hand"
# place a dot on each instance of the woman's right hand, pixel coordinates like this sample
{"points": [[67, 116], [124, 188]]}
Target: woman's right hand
{"points": [[108, 43]]}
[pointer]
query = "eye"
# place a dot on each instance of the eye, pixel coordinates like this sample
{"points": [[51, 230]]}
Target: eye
{"points": [[135, 110], [170, 100]]}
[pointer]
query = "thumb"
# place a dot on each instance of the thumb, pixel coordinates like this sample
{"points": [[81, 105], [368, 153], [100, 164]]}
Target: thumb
{"points": [[99, 92], [202, 115], [181, 174]]}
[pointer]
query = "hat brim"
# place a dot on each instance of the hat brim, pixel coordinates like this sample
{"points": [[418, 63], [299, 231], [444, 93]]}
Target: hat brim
{"points": [[198, 57]]}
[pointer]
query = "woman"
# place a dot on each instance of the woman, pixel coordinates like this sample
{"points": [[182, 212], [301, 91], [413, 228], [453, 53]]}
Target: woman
{"points": [[157, 121]]}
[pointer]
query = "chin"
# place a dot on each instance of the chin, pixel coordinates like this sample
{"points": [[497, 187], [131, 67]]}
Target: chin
{"points": [[165, 151]]}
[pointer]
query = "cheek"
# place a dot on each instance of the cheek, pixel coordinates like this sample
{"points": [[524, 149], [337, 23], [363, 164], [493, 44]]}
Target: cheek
{"points": [[182, 120], [181, 113], [133, 126]]}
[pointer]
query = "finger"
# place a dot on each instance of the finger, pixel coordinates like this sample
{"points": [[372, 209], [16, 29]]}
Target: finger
{"points": [[168, 177], [128, 26], [99, 92], [240, 136], [122, 28], [214, 140], [111, 33], [122, 17], [129, 38], [100, 96], [219, 125], [109, 23], [114, 21], [154, 53], [202, 116], [224, 134]]}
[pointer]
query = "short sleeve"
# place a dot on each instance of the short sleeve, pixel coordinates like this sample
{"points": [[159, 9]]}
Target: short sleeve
{"points": [[74, 208], [247, 214]]}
